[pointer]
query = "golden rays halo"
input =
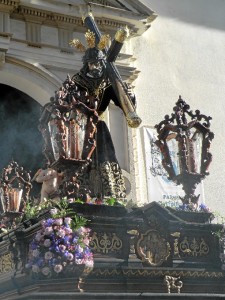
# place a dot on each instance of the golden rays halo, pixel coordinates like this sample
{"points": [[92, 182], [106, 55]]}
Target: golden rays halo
{"points": [[91, 42]]}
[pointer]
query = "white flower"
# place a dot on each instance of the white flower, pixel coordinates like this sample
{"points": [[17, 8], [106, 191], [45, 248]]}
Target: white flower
{"points": [[53, 211], [61, 233], [45, 271], [47, 243], [70, 256], [89, 264], [58, 268], [35, 253], [67, 220], [35, 269], [48, 255]]}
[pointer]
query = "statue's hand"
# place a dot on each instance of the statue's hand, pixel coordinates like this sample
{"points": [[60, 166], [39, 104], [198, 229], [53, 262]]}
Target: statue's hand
{"points": [[133, 120]]}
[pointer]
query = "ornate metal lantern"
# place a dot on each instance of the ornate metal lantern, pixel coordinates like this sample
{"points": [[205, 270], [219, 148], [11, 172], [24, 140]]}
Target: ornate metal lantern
{"points": [[184, 140], [15, 185], [68, 125]]}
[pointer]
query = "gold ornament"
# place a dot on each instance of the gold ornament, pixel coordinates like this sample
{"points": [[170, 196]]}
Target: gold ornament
{"points": [[90, 38], [78, 45], [104, 41]]}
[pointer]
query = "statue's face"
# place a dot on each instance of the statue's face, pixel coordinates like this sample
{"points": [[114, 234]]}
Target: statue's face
{"points": [[95, 69]]}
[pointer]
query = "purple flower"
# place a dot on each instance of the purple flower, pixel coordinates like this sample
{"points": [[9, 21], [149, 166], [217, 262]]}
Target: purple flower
{"points": [[55, 246]]}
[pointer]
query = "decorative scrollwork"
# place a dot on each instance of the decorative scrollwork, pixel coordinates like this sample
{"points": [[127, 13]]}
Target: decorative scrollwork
{"points": [[105, 242], [194, 247], [6, 263]]}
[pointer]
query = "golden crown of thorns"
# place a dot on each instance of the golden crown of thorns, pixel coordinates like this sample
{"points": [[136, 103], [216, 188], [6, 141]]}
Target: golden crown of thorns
{"points": [[90, 38]]}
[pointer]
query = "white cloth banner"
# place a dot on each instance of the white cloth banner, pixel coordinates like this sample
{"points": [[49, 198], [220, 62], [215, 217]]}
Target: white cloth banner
{"points": [[160, 188]]}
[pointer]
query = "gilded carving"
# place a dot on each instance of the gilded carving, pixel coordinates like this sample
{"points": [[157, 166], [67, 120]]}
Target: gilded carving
{"points": [[176, 236], [155, 273], [6, 263], [173, 283], [105, 242], [152, 248], [194, 247]]}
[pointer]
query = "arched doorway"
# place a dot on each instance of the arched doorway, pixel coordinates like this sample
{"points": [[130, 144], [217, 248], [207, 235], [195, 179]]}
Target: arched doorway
{"points": [[20, 138]]}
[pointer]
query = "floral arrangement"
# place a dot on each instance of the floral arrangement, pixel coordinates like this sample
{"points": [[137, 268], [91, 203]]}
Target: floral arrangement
{"points": [[59, 246], [177, 205]]}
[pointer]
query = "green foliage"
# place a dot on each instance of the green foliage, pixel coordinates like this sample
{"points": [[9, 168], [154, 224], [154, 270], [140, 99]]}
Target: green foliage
{"points": [[31, 210], [113, 202], [63, 209], [78, 221]]}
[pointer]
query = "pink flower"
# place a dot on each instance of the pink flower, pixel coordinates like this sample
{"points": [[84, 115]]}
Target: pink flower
{"points": [[45, 271], [58, 268], [38, 237], [58, 222], [47, 243], [48, 255], [86, 241], [48, 230], [68, 230], [61, 233]]}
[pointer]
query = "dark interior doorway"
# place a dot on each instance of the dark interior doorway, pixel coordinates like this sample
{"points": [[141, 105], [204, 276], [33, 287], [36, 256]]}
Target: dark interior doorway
{"points": [[20, 138]]}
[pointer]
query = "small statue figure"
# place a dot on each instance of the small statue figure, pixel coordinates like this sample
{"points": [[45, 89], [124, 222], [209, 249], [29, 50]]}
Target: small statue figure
{"points": [[50, 180]]}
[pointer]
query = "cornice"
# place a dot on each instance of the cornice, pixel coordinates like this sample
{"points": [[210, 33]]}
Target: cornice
{"points": [[8, 5], [60, 14]]}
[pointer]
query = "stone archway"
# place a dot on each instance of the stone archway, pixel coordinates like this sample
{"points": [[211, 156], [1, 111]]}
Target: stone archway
{"points": [[20, 138]]}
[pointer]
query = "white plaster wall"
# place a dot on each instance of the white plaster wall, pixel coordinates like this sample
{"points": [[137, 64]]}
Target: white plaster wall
{"points": [[183, 54]]}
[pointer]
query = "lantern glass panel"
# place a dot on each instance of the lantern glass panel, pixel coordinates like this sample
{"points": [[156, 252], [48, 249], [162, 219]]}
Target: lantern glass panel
{"points": [[2, 201], [15, 197], [54, 133], [194, 147], [172, 145]]}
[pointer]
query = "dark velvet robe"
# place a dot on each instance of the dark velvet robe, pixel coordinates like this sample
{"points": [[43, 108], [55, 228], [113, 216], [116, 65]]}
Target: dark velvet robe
{"points": [[104, 176]]}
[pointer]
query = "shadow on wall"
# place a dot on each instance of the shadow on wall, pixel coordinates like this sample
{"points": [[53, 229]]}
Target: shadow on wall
{"points": [[205, 13], [20, 138]]}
